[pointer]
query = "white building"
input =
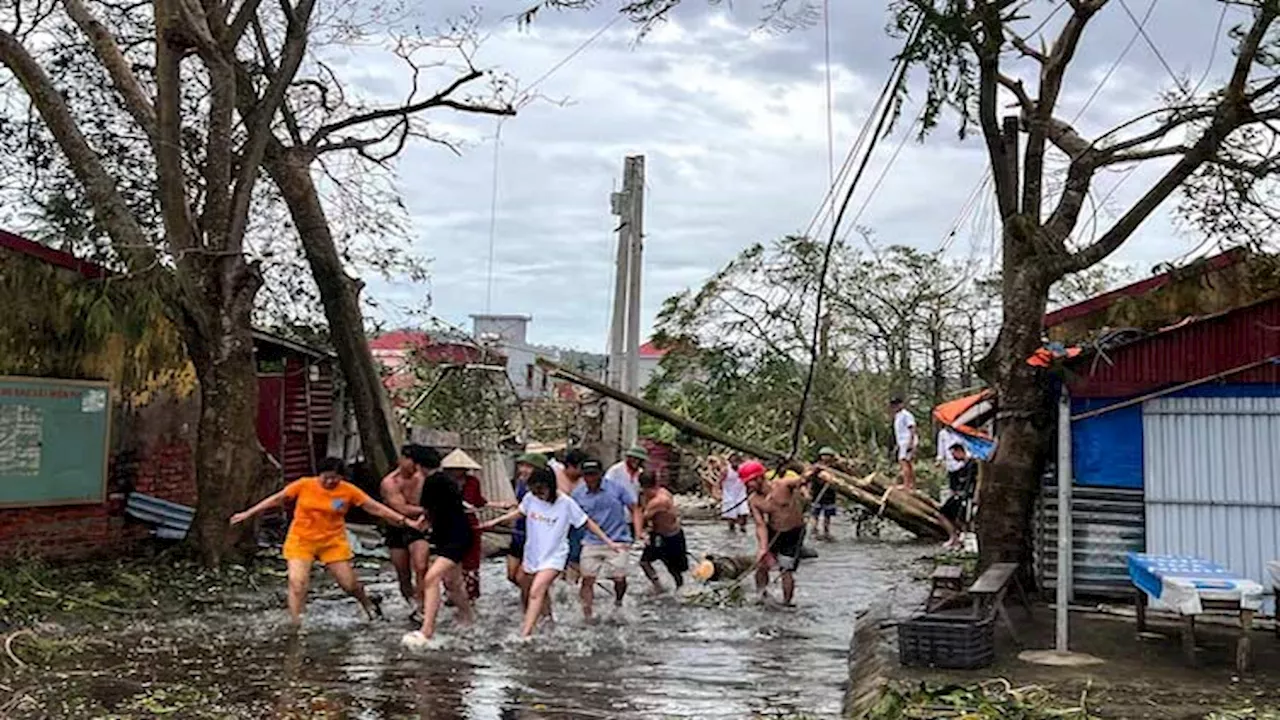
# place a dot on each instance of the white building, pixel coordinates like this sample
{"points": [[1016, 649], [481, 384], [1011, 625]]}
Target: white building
{"points": [[509, 334]]}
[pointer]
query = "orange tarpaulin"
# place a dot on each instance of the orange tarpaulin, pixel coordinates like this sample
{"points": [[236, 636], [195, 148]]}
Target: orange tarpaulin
{"points": [[1045, 356]]}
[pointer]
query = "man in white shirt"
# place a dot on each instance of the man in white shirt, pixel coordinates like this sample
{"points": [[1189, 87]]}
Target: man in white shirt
{"points": [[904, 431], [627, 472], [946, 438]]}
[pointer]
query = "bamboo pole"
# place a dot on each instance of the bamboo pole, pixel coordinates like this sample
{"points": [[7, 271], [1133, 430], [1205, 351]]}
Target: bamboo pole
{"points": [[915, 513]]}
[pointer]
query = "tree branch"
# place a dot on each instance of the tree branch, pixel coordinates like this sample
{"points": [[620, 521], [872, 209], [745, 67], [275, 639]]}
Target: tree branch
{"points": [[179, 226], [440, 99], [264, 113], [104, 45], [1039, 122], [110, 208], [248, 12]]}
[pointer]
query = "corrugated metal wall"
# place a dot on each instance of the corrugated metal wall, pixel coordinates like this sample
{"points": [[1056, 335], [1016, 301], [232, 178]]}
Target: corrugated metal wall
{"points": [[1212, 479], [1106, 523]]}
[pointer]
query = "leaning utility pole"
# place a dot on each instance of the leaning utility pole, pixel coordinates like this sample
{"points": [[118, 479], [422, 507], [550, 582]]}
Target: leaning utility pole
{"points": [[633, 186]]}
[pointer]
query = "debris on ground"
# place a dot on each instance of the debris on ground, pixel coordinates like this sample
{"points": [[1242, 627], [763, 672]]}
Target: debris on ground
{"points": [[995, 699]]}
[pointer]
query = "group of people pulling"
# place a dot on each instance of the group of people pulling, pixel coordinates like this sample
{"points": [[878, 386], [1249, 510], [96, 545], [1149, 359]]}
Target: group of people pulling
{"points": [[569, 517]]}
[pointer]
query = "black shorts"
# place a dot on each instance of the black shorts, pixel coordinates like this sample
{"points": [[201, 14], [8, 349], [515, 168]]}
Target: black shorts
{"points": [[399, 538], [954, 509], [452, 543], [517, 548], [671, 550], [785, 547]]}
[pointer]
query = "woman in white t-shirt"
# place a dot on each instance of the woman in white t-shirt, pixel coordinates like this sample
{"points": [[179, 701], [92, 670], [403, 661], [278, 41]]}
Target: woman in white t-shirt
{"points": [[549, 516]]}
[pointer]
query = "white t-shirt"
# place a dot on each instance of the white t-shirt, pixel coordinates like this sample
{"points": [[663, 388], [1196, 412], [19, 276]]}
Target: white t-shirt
{"points": [[947, 438], [903, 425], [546, 543], [619, 473]]}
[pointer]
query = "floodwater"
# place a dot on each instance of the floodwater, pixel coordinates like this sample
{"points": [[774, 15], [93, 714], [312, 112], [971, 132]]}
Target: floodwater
{"points": [[656, 657]]}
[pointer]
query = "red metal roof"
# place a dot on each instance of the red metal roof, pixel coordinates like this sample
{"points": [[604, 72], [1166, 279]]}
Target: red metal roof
{"points": [[1186, 352], [1105, 300], [651, 351], [31, 248]]}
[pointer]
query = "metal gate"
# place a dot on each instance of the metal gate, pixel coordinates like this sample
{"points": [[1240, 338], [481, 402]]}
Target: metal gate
{"points": [[1212, 480]]}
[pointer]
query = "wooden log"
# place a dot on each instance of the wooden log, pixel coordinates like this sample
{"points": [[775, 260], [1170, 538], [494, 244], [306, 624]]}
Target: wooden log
{"points": [[917, 514]]}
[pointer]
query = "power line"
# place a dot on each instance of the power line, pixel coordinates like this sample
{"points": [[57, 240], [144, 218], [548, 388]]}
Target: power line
{"points": [[884, 172], [1151, 44], [895, 79], [573, 54], [493, 215]]}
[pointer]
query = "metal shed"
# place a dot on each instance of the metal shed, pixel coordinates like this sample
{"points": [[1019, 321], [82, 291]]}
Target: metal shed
{"points": [[1174, 450]]}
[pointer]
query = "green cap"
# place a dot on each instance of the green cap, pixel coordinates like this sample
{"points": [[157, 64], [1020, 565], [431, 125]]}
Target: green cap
{"points": [[534, 459], [637, 452], [827, 450]]}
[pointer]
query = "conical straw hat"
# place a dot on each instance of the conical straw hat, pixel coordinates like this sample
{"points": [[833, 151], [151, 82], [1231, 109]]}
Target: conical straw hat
{"points": [[459, 460]]}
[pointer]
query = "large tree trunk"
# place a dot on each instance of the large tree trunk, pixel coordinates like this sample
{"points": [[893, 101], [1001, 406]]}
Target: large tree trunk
{"points": [[1004, 512], [340, 295], [228, 453]]}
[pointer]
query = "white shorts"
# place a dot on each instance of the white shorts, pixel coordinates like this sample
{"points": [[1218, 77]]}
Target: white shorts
{"points": [[600, 561], [905, 454]]}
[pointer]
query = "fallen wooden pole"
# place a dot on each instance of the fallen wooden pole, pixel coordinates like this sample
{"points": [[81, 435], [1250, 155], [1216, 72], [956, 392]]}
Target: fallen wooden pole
{"points": [[917, 514]]}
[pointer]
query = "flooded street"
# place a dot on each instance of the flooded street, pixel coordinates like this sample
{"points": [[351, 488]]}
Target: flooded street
{"points": [[654, 658]]}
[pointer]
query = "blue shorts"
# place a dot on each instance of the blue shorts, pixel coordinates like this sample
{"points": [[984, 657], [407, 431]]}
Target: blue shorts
{"points": [[824, 510], [575, 544]]}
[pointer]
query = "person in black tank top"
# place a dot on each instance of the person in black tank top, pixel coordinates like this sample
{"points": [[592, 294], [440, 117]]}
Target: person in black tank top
{"points": [[450, 537]]}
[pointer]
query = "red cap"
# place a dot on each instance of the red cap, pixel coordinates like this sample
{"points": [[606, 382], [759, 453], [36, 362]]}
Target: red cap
{"points": [[750, 470]]}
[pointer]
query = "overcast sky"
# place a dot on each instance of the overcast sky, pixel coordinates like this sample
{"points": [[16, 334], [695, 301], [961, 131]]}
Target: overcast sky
{"points": [[732, 120]]}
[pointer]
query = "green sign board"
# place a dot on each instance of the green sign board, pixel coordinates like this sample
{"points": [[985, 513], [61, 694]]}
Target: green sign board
{"points": [[54, 437]]}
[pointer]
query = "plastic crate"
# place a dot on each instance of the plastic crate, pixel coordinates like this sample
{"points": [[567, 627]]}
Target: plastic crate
{"points": [[951, 641]]}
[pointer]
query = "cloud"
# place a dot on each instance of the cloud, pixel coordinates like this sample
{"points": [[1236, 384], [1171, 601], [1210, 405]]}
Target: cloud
{"points": [[732, 121]]}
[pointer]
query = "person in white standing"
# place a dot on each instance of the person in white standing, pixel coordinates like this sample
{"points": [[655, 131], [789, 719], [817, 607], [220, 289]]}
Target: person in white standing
{"points": [[627, 471], [733, 497], [904, 431], [946, 438], [549, 516]]}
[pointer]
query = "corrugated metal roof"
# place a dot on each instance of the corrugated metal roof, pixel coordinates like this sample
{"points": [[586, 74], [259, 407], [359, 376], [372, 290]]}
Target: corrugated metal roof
{"points": [[1211, 481], [1188, 352], [1107, 299]]}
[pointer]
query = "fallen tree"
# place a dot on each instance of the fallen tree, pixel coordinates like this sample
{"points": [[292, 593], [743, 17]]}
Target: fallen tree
{"points": [[915, 513]]}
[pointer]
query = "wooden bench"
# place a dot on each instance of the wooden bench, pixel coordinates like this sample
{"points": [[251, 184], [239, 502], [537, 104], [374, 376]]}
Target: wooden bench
{"points": [[989, 590], [946, 582]]}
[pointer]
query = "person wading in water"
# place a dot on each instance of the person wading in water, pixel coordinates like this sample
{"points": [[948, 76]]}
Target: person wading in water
{"points": [[666, 538], [408, 547], [550, 516], [451, 537], [318, 532], [525, 465], [776, 508]]}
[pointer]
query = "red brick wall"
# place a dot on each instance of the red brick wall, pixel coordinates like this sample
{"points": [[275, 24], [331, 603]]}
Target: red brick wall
{"points": [[64, 533]]}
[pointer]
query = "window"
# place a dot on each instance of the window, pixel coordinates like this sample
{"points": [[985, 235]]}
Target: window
{"points": [[544, 381], [528, 376]]}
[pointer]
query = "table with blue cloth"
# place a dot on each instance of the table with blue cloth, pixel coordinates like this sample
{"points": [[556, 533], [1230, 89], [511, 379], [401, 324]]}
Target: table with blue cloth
{"points": [[1189, 586]]}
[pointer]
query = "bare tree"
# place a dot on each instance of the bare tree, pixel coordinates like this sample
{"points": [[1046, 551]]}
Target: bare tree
{"points": [[163, 124], [972, 50]]}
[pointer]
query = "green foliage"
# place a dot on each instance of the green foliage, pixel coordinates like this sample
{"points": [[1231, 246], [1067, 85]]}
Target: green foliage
{"points": [[459, 399], [992, 700], [58, 324], [739, 345]]}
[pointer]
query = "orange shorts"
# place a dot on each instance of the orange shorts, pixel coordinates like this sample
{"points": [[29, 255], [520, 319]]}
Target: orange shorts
{"points": [[327, 551]]}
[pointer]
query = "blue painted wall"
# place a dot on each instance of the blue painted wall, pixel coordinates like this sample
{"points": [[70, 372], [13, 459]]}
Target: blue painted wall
{"points": [[1106, 451]]}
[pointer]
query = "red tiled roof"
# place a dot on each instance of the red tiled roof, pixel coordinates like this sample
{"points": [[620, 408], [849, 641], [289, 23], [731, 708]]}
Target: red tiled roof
{"points": [[651, 351], [1107, 299], [400, 340]]}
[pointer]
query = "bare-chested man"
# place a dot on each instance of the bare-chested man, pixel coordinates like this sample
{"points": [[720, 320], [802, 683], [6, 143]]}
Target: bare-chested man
{"points": [[777, 508], [401, 490], [666, 537]]}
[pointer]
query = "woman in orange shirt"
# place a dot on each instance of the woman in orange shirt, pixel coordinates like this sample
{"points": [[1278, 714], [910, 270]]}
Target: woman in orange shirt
{"points": [[319, 531]]}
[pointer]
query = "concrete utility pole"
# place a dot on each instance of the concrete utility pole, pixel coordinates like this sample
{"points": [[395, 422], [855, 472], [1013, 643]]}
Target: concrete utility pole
{"points": [[633, 187], [612, 421]]}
